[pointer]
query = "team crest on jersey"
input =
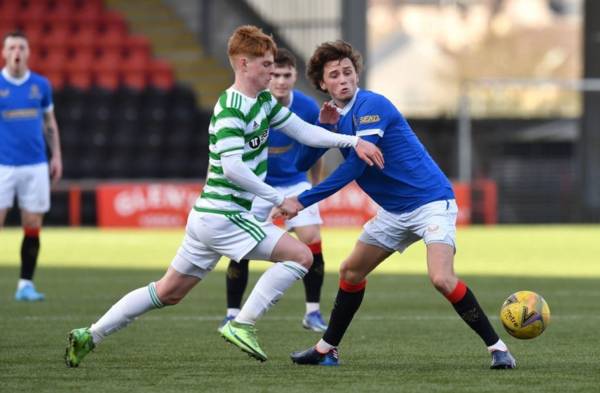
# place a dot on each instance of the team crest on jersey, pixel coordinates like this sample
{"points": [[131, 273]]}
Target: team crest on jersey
{"points": [[4, 93], [369, 119], [258, 140], [35, 93]]}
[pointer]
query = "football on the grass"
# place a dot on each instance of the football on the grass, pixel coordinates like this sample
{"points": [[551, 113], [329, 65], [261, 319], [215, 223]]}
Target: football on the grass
{"points": [[525, 314]]}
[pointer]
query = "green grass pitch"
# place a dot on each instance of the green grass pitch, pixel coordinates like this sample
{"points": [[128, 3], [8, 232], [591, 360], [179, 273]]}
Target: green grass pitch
{"points": [[405, 337]]}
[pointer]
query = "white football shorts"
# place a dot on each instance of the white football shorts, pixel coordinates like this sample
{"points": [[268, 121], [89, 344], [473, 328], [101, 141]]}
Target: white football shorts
{"points": [[31, 185], [434, 222], [209, 236], [307, 216]]}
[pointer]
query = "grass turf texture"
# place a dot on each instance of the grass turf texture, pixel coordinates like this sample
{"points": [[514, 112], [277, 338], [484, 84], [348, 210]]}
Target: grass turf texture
{"points": [[405, 338]]}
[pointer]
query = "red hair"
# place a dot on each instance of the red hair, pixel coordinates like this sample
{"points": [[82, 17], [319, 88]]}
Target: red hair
{"points": [[251, 41]]}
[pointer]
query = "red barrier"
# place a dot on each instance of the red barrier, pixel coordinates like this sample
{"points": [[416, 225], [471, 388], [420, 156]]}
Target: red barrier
{"points": [[145, 205], [75, 206], [167, 205], [485, 200], [462, 193], [350, 206]]}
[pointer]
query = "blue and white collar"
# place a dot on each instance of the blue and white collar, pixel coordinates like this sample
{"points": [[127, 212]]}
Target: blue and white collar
{"points": [[13, 80], [343, 111]]}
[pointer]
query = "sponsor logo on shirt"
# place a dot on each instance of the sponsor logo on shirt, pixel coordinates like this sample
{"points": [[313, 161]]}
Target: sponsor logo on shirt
{"points": [[258, 140], [20, 114], [4, 93], [369, 119]]}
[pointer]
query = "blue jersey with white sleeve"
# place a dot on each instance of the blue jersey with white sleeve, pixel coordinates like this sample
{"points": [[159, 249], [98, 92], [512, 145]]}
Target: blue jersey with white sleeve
{"points": [[283, 150], [410, 178], [23, 103]]}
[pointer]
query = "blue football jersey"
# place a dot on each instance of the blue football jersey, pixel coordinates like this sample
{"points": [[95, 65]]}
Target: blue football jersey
{"points": [[410, 178], [22, 106], [283, 150]]}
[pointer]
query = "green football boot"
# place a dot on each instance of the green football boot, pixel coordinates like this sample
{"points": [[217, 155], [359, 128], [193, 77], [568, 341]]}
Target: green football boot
{"points": [[80, 344], [243, 336]]}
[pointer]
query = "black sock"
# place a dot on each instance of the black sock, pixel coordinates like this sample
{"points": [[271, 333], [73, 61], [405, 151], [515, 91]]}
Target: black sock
{"points": [[30, 249], [236, 281], [313, 280], [471, 312], [347, 302]]}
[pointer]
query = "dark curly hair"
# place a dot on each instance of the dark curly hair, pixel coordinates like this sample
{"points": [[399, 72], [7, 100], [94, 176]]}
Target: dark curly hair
{"points": [[331, 51]]}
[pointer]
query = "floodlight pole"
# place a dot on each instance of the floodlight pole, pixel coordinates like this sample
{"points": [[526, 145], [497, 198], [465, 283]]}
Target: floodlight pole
{"points": [[465, 152], [353, 23]]}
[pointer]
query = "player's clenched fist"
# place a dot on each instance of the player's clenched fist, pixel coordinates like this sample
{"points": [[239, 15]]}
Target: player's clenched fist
{"points": [[289, 208]]}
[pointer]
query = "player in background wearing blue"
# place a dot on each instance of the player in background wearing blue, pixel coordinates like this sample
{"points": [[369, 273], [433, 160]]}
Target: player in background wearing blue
{"points": [[26, 113], [283, 175], [416, 200]]}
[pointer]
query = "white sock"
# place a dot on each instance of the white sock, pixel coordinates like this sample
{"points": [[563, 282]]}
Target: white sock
{"points": [[123, 312], [323, 346], [233, 312], [312, 307], [269, 289], [24, 283], [499, 346]]}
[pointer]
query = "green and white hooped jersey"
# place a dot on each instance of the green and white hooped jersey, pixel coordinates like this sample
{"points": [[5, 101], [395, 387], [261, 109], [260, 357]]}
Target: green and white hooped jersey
{"points": [[238, 124]]}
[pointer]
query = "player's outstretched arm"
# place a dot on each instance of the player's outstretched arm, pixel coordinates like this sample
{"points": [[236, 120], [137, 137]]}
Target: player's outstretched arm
{"points": [[53, 138], [315, 136], [240, 175], [348, 171]]}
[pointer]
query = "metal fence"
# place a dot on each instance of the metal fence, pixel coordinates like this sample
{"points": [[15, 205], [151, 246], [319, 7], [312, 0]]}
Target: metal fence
{"points": [[540, 168]]}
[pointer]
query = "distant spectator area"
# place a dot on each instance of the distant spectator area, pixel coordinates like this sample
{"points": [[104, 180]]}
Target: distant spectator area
{"points": [[82, 44]]}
